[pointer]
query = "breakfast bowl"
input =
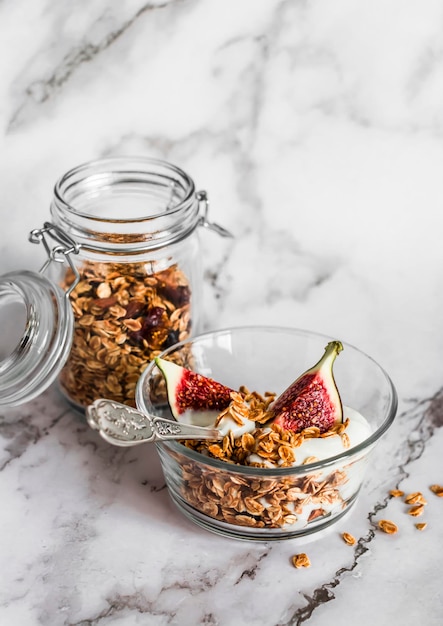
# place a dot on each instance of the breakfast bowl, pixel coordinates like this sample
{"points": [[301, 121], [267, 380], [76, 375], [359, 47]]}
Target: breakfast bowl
{"points": [[266, 500]]}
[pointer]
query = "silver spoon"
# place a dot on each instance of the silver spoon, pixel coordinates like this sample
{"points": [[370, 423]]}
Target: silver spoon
{"points": [[122, 425]]}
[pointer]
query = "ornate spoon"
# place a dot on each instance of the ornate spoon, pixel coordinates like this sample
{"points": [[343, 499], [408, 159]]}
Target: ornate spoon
{"points": [[122, 425]]}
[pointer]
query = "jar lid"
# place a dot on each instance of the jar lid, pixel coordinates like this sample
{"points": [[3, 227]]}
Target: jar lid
{"points": [[37, 325]]}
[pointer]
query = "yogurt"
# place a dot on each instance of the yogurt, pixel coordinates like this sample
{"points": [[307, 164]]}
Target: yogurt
{"points": [[225, 425], [357, 431], [321, 448]]}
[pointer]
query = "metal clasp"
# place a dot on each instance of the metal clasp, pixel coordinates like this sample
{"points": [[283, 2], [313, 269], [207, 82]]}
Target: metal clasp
{"points": [[59, 253], [202, 197]]}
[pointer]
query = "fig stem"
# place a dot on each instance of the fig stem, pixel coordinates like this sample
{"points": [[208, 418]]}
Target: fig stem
{"points": [[331, 351]]}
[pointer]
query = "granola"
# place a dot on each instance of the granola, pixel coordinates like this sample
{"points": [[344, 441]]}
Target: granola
{"points": [[416, 510], [415, 498], [301, 560], [250, 500], [396, 493], [437, 489], [349, 539], [387, 526], [125, 314]]}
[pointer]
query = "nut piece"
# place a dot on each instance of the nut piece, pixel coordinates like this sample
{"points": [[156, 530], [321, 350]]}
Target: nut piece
{"points": [[415, 498], [421, 526], [387, 526], [396, 493], [301, 560], [349, 539], [416, 510], [437, 489]]}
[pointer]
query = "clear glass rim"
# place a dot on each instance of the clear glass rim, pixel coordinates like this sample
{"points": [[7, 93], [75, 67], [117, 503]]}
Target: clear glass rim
{"points": [[347, 456], [122, 164], [126, 205]]}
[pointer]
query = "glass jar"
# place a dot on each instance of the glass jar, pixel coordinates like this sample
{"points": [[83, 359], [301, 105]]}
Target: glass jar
{"points": [[126, 230]]}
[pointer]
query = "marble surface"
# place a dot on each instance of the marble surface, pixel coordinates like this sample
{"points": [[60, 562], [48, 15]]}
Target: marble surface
{"points": [[317, 129]]}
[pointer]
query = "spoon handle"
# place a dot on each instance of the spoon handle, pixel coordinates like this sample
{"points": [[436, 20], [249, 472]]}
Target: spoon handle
{"points": [[124, 426]]}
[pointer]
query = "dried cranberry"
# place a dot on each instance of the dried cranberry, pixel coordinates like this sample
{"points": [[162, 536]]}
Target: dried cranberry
{"points": [[154, 320], [179, 295]]}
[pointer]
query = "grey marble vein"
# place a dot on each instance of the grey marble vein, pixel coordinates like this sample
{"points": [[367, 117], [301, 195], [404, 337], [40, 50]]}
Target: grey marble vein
{"points": [[41, 90]]}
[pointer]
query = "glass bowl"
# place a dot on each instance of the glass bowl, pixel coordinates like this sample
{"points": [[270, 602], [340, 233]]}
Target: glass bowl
{"points": [[266, 504]]}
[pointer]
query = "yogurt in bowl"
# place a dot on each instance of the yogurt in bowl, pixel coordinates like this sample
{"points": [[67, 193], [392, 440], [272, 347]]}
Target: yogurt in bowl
{"points": [[287, 484]]}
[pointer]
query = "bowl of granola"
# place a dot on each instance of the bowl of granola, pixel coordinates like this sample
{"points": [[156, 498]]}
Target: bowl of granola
{"points": [[296, 439]]}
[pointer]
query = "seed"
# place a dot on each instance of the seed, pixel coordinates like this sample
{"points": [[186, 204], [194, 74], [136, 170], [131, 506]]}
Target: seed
{"points": [[421, 525], [437, 489], [387, 526], [301, 560], [349, 539]]}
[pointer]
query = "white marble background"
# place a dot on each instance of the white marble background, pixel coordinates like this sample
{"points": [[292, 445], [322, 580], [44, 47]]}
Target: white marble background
{"points": [[317, 129]]}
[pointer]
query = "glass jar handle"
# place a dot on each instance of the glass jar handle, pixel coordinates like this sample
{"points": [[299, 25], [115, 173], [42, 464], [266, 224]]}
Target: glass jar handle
{"points": [[202, 197], [59, 253]]}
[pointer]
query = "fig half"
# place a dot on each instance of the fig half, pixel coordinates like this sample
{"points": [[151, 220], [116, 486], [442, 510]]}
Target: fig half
{"points": [[313, 399], [192, 397]]}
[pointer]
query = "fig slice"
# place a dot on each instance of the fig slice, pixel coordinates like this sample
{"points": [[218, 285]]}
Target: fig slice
{"points": [[313, 399], [193, 398]]}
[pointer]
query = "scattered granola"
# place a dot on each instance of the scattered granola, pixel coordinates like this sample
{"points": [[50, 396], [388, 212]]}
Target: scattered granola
{"points": [[415, 498], [349, 539], [416, 510], [301, 560], [387, 526], [437, 489], [125, 315], [396, 493]]}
